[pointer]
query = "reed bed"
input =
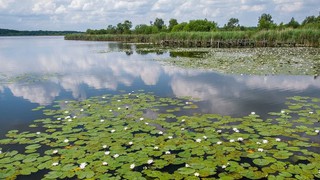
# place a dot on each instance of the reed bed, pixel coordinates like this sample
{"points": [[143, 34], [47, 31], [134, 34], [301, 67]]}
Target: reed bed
{"points": [[301, 37]]}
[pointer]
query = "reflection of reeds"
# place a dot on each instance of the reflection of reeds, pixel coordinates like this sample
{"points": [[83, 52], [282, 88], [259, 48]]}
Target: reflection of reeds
{"points": [[301, 37]]}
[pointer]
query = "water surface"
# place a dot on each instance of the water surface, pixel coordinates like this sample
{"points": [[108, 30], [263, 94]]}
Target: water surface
{"points": [[39, 70]]}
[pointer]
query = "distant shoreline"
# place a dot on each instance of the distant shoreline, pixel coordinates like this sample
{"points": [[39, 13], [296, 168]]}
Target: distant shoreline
{"points": [[10, 32]]}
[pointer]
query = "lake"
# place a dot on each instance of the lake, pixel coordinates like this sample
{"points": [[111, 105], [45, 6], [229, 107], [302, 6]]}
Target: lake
{"points": [[37, 71]]}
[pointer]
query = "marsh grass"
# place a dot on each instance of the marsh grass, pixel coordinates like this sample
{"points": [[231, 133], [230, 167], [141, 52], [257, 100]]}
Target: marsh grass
{"points": [[301, 37]]}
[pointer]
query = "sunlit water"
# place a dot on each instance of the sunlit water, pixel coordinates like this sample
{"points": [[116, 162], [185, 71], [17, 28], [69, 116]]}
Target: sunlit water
{"points": [[80, 69]]}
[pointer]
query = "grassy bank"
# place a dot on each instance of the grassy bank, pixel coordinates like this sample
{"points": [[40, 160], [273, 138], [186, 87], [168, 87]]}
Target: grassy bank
{"points": [[301, 37]]}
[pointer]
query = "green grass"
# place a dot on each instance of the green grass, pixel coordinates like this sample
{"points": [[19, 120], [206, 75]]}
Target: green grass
{"points": [[301, 37]]}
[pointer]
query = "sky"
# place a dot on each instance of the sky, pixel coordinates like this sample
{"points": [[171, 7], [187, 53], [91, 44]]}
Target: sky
{"points": [[80, 15]]}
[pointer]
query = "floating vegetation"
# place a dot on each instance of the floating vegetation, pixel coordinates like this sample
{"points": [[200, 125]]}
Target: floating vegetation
{"points": [[27, 78], [257, 61], [112, 137]]}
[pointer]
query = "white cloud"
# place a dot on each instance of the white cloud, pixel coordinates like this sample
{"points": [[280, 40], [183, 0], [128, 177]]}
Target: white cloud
{"points": [[44, 7]]}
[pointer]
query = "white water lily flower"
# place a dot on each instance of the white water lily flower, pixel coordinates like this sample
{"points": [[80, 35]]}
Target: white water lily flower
{"points": [[66, 102], [170, 137], [205, 137], [104, 163], [310, 112], [156, 147], [182, 129], [116, 155], [113, 130], [74, 117], [145, 167], [104, 146], [223, 166], [107, 152], [137, 96], [260, 149], [66, 112], [219, 142], [83, 165], [234, 129], [110, 110], [265, 141], [55, 164], [101, 120], [282, 111], [160, 132], [55, 151], [129, 93], [125, 128], [196, 174], [167, 152], [119, 108], [141, 119], [187, 165], [67, 117], [150, 161], [237, 131], [0, 152], [253, 113], [187, 102], [240, 139], [130, 143], [103, 97], [232, 140], [81, 110], [198, 140], [219, 131], [183, 120], [278, 139], [66, 140], [132, 166], [146, 123], [119, 100], [38, 133], [258, 143], [70, 120], [58, 118], [317, 131]]}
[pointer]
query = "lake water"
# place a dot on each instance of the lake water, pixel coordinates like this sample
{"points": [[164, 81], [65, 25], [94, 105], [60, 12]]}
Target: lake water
{"points": [[80, 69]]}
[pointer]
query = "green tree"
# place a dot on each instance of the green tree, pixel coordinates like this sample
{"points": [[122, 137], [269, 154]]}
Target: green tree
{"points": [[265, 22], [179, 27], [233, 23], [172, 23], [293, 23], [111, 29], [127, 25], [200, 25], [159, 23]]}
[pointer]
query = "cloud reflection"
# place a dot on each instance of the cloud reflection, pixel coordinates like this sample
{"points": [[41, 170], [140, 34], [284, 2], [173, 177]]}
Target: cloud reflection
{"points": [[78, 64]]}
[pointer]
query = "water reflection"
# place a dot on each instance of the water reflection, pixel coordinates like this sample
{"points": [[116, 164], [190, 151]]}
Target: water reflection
{"points": [[82, 67]]}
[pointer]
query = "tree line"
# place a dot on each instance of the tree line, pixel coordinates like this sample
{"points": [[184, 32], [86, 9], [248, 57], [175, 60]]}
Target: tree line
{"points": [[9, 32], [265, 22]]}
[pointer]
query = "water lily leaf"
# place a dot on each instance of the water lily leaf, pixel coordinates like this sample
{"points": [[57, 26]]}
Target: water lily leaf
{"points": [[186, 170], [261, 162]]}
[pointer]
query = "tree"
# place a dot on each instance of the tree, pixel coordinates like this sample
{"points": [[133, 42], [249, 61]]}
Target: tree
{"points": [[172, 23], [200, 25], [266, 22], [179, 27], [232, 24], [293, 23], [159, 23], [127, 25]]}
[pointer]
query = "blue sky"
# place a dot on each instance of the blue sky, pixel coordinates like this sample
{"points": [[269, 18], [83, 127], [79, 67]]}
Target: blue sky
{"points": [[97, 14]]}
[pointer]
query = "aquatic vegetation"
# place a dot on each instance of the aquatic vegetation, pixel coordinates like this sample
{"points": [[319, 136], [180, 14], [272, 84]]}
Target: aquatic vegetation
{"points": [[253, 61], [285, 145]]}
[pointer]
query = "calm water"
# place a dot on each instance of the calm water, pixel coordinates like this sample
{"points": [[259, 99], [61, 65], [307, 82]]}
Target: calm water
{"points": [[79, 69]]}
